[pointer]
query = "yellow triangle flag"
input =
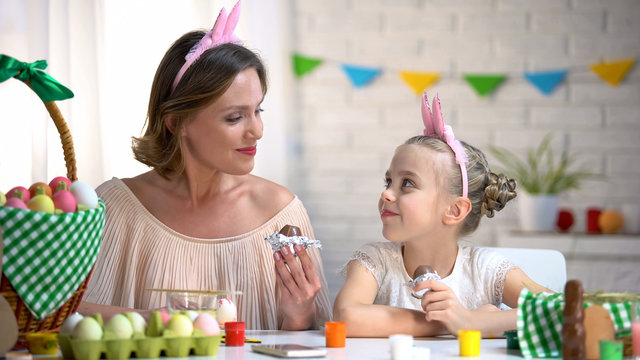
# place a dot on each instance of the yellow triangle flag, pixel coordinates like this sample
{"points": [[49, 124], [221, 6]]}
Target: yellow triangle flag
{"points": [[613, 72], [419, 81]]}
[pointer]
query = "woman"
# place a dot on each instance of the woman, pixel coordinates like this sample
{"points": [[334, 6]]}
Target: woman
{"points": [[198, 219]]}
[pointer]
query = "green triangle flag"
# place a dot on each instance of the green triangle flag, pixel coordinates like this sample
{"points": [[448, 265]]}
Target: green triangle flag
{"points": [[484, 84], [303, 64]]}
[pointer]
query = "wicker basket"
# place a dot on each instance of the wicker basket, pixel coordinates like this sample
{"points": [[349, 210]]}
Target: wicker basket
{"points": [[27, 322]]}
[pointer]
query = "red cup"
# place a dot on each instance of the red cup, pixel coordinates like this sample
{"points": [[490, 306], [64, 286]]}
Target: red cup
{"points": [[592, 221], [234, 333]]}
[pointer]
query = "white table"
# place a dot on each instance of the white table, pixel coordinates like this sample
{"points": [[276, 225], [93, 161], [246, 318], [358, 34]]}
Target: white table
{"points": [[361, 348], [356, 348]]}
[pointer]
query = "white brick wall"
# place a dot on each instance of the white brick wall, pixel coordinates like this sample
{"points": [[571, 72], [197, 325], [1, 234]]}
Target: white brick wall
{"points": [[348, 135]]}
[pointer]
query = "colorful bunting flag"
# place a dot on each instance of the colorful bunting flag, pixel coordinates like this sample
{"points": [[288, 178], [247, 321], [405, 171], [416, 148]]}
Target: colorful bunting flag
{"points": [[546, 81], [303, 64], [484, 84], [419, 81], [360, 75], [613, 72]]}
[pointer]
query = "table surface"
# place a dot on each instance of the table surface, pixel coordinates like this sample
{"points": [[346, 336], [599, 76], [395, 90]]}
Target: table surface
{"points": [[356, 348], [361, 348]]}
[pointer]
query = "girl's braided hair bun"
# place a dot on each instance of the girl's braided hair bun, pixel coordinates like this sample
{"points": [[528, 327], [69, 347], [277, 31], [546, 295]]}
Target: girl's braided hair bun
{"points": [[498, 192]]}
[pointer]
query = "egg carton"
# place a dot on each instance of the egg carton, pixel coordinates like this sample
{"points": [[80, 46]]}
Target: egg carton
{"points": [[143, 347]]}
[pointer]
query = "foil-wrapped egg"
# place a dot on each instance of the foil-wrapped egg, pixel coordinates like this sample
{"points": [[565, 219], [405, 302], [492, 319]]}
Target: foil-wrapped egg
{"points": [[422, 273]]}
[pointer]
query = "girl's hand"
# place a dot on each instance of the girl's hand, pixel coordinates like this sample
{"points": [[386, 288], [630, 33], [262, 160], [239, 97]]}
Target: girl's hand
{"points": [[299, 284], [441, 304]]}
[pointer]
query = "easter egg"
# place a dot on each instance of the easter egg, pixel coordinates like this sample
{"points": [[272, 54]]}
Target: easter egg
{"points": [[15, 202], [87, 329], [41, 202], [34, 187], [610, 221], [119, 326], [24, 193], [137, 321], [63, 199], [85, 195], [180, 324], [53, 184], [70, 323], [226, 311], [207, 323], [3, 198]]}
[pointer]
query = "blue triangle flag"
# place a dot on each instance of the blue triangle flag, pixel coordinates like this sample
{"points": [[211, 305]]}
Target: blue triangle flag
{"points": [[546, 81], [360, 75]]}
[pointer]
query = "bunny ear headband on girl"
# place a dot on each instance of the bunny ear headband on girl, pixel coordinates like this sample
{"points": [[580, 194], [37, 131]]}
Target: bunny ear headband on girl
{"points": [[222, 32], [434, 127]]}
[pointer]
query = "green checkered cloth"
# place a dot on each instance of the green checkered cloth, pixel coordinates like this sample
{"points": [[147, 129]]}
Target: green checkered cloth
{"points": [[47, 257], [540, 322]]}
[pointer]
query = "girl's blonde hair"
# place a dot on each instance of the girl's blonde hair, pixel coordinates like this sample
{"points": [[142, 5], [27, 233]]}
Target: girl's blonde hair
{"points": [[488, 192], [203, 83]]}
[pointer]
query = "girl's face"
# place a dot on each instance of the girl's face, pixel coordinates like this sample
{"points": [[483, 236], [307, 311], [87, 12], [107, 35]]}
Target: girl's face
{"points": [[411, 206], [224, 135]]}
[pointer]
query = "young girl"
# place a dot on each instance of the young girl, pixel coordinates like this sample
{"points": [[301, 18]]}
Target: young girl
{"points": [[436, 190]]}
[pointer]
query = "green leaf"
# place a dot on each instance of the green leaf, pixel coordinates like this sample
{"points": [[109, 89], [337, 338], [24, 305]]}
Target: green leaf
{"points": [[539, 173]]}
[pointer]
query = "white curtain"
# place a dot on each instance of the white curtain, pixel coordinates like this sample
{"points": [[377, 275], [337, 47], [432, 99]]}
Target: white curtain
{"points": [[106, 52]]}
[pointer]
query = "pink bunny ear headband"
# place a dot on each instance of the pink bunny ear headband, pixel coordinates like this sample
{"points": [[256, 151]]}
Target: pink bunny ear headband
{"points": [[434, 126], [222, 32]]}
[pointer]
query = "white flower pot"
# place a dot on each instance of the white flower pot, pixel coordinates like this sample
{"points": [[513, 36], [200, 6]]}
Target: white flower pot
{"points": [[537, 212]]}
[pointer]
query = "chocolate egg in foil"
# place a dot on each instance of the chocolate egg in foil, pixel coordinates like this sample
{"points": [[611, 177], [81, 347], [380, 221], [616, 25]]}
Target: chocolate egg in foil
{"points": [[422, 273], [289, 236]]}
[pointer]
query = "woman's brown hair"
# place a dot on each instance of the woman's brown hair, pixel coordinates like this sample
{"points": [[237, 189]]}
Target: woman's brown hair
{"points": [[203, 83]]}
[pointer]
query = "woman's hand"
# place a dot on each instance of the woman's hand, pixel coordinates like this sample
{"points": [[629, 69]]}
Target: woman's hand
{"points": [[441, 304], [299, 284]]}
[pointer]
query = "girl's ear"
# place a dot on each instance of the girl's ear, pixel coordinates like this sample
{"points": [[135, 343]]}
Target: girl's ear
{"points": [[457, 211]]}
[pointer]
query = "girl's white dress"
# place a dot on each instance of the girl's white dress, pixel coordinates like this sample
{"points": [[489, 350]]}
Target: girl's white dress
{"points": [[477, 277]]}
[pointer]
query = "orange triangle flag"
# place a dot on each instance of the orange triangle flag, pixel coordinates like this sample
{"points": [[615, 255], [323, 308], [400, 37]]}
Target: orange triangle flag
{"points": [[419, 81], [613, 72]]}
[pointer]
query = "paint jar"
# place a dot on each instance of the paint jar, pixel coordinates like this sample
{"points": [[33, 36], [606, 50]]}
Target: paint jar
{"points": [[469, 342]]}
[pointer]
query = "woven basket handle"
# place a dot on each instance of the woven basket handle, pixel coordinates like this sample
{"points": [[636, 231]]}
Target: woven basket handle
{"points": [[65, 137]]}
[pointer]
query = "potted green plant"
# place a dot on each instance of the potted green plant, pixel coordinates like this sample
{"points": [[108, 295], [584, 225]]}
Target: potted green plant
{"points": [[540, 180]]}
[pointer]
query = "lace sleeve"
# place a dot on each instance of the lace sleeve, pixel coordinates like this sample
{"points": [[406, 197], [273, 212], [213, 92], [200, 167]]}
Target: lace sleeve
{"points": [[502, 269], [363, 258], [371, 257]]}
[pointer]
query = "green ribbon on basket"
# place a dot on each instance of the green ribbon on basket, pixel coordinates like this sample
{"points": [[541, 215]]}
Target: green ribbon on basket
{"points": [[46, 87], [47, 257], [540, 322]]}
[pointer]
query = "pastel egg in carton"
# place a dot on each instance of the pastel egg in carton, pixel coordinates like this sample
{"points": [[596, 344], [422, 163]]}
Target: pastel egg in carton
{"points": [[85, 338], [142, 347]]}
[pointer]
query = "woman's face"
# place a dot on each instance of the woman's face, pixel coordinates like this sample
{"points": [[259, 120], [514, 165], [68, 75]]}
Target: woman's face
{"points": [[411, 206], [224, 135]]}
